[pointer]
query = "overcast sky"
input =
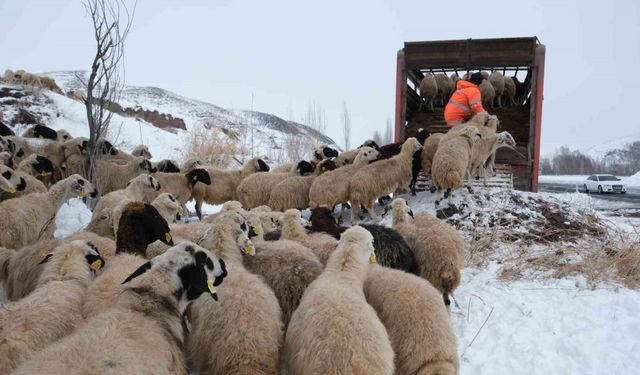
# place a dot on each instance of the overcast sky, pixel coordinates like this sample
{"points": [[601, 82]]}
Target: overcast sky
{"points": [[286, 53]]}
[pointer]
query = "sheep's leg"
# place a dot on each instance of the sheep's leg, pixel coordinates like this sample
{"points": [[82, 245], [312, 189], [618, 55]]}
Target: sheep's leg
{"points": [[198, 209], [372, 212], [449, 196], [355, 207]]}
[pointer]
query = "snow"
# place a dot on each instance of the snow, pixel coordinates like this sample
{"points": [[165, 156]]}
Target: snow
{"points": [[562, 179], [72, 217], [633, 180]]}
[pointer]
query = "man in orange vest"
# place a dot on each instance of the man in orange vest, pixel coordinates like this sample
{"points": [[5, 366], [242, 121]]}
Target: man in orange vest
{"points": [[465, 101]]}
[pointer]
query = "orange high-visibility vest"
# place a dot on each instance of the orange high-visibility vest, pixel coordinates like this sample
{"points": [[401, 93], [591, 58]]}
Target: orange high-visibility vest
{"points": [[464, 102]]}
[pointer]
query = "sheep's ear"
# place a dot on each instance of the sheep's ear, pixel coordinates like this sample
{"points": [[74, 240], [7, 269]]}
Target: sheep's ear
{"points": [[263, 166], [142, 269], [46, 258]]}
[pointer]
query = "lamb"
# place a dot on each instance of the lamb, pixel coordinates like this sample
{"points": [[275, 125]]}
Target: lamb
{"points": [[319, 154], [391, 249], [53, 310], [294, 191], [140, 226], [20, 270], [332, 187], [224, 183], [437, 246], [487, 93], [320, 243], [255, 189], [168, 166], [143, 333], [415, 319], [380, 178], [111, 177], [33, 217], [451, 160], [143, 151], [242, 334], [335, 330], [485, 149], [182, 186], [497, 81], [428, 91], [509, 95], [106, 214], [445, 88]]}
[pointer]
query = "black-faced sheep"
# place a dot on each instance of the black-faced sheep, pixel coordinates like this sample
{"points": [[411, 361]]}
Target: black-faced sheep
{"points": [[224, 183], [335, 330], [53, 310], [255, 189], [168, 166], [391, 249], [11, 183], [294, 191], [242, 334], [319, 154], [416, 320], [143, 333], [41, 131], [381, 178], [32, 217], [437, 247]]}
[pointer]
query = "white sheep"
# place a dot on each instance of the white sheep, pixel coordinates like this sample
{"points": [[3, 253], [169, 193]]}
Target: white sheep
{"points": [[33, 216], [111, 177], [509, 95], [143, 333], [322, 244], [183, 186], [446, 86], [487, 93], [294, 191], [335, 330], [428, 91], [318, 154], [484, 151], [497, 81]]}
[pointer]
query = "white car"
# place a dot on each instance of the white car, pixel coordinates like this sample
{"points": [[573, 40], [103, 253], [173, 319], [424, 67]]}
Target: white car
{"points": [[604, 183]]}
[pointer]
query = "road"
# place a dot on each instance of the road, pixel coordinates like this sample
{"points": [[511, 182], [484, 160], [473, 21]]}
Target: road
{"points": [[633, 195]]}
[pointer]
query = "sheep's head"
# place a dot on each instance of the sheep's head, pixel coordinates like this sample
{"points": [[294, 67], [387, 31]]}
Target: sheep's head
{"points": [[324, 152], [145, 165], [10, 181], [422, 135], [400, 210], [261, 166], [143, 151], [370, 143], [492, 122], [242, 231], [140, 225], [71, 260], [106, 147], [63, 135], [368, 154], [168, 166], [79, 186], [191, 163], [8, 145], [412, 145], [145, 181], [6, 159], [304, 167], [44, 132], [193, 271], [472, 133], [42, 165], [199, 175], [506, 140], [360, 242], [170, 202], [75, 146], [321, 218], [326, 165]]}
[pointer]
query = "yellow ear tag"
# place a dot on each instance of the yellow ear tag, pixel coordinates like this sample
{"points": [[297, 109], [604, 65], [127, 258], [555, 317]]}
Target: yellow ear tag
{"points": [[384, 211], [181, 211], [44, 255], [195, 178], [309, 224], [13, 190], [249, 249], [255, 230], [43, 174], [373, 259], [212, 289], [167, 236], [96, 264], [83, 193]]}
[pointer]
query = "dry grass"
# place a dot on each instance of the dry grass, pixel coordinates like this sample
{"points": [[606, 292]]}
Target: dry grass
{"points": [[214, 146]]}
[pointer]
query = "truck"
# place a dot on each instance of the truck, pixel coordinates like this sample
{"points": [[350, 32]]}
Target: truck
{"points": [[522, 58]]}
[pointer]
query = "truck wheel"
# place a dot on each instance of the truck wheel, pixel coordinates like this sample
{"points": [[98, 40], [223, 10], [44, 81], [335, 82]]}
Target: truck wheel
{"points": [[600, 190], [586, 190]]}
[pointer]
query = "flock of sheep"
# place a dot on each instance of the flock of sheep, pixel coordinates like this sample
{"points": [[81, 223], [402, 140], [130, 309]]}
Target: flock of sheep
{"points": [[496, 89], [253, 289]]}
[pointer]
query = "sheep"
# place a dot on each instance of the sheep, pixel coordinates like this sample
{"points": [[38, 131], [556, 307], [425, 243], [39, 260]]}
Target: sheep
{"points": [[111, 177], [380, 178], [332, 187], [451, 160], [51, 311], [11, 183], [52, 150], [31, 167], [168, 166], [335, 330], [7, 144], [74, 156], [485, 149], [509, 94], [445, 88], [242, 334], [140, 226], [79, 95], [487, 93], [224, 183], [454, 78], [5, 130], [294, 191], [143, 151], [497, 81], [428, 91], [20, 270], [437, 247], [33, 217], [182, 186], [168, 207], [430, 146], [521, 94], [255, 189], [320, 243], [391, 249], [41, 131], [7, 159], [319, 154], [143, 333], [416, 320]]}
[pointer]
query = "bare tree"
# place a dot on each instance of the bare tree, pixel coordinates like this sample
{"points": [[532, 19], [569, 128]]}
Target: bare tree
{"points": [[315, 117], [111, 22], [388, 132], [346, 126], [377, 138]]}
